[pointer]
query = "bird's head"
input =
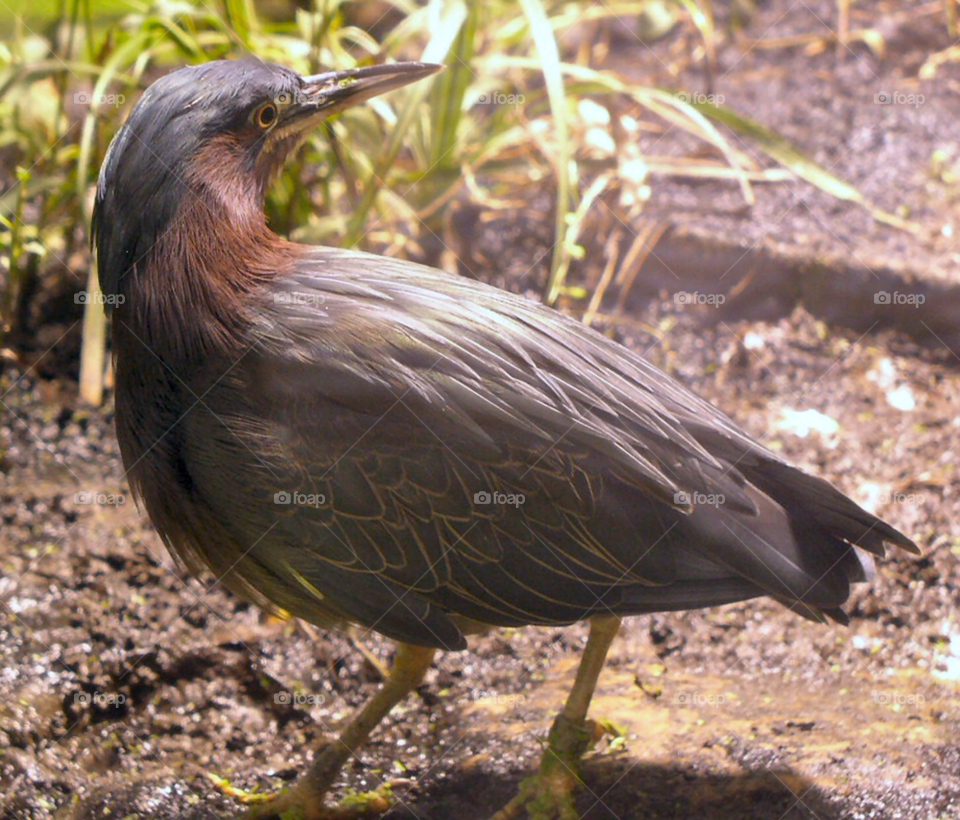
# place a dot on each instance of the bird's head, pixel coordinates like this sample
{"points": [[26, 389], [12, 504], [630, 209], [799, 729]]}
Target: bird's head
{"points": [[213, 137]]}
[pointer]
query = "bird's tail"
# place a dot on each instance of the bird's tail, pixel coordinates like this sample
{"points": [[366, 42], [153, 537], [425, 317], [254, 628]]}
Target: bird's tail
{"points": [[799, 548]]}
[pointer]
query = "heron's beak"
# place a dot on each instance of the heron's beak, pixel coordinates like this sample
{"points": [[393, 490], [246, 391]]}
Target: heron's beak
{"points": [[333, 91]]}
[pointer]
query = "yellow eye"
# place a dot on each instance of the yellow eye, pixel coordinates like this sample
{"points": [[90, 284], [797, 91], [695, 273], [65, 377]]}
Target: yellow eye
{"points": [[266, 115]]}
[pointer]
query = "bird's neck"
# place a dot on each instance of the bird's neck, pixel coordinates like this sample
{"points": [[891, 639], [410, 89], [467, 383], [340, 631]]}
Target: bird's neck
{"points": [[194, 294]]}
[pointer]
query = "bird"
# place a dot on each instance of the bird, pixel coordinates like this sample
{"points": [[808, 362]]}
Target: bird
{"points": [[362, 441]]}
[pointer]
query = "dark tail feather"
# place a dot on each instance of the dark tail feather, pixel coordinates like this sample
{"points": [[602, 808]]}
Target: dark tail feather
{"points": [[795, 550], [807, 497]]}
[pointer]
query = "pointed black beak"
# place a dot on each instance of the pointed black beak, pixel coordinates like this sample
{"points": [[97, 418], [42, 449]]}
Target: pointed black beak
{"points": [[333, 91]]}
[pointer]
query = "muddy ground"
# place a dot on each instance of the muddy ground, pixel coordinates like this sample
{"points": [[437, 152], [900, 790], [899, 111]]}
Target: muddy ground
{"points": [[125, 684]]}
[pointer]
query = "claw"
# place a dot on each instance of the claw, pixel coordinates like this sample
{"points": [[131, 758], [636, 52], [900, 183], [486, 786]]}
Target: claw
{"points": [[550, 794], [292, 804]]}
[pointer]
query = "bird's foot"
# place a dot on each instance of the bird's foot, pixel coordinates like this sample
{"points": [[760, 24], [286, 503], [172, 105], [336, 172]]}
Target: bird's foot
{"points": [[306, 798], [550, 793], [285, 804], [300, 802]]}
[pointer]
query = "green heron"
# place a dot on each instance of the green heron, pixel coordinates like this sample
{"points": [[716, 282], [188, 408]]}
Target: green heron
{"points": [[360, 440]]}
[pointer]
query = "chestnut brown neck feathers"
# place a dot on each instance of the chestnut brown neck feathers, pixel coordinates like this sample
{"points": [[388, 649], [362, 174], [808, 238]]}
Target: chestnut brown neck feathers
{"points": [[216, 251]]}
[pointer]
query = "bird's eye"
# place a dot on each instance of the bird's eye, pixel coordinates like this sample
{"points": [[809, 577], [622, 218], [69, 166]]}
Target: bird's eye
{"points": [[266, 115]]}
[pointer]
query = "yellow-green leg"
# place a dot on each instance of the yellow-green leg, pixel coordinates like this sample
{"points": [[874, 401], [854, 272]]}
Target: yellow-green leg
{"points": [[549, 794], [305, 799]]}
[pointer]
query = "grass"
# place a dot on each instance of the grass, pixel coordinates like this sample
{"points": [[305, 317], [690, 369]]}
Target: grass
{"points": [[377, 177], [39, 13]]}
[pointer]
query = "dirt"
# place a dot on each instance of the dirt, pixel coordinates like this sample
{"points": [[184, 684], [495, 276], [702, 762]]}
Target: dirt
{"points": [[125, 684], [902, 157]]}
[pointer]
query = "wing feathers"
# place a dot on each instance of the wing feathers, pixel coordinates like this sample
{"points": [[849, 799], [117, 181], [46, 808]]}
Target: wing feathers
{"points": [[483, 457]]}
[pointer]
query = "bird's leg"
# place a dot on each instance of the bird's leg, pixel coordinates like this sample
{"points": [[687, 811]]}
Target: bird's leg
{"points": [[409, 667], [306, 797], [357, 642], [549, 794]]}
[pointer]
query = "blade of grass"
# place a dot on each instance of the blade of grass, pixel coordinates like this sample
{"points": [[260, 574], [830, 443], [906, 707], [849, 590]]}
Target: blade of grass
{"points": [[453, 13], [182, 38], [669, 106], [574, 222], [112, 69], [549, 54], [14, 273], [449, 89], [780, 149], [241, 18], [93, 352], [701, 13]]}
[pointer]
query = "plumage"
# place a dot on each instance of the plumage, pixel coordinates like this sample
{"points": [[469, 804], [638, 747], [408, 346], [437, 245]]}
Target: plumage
{"points": [[394, 396]]}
